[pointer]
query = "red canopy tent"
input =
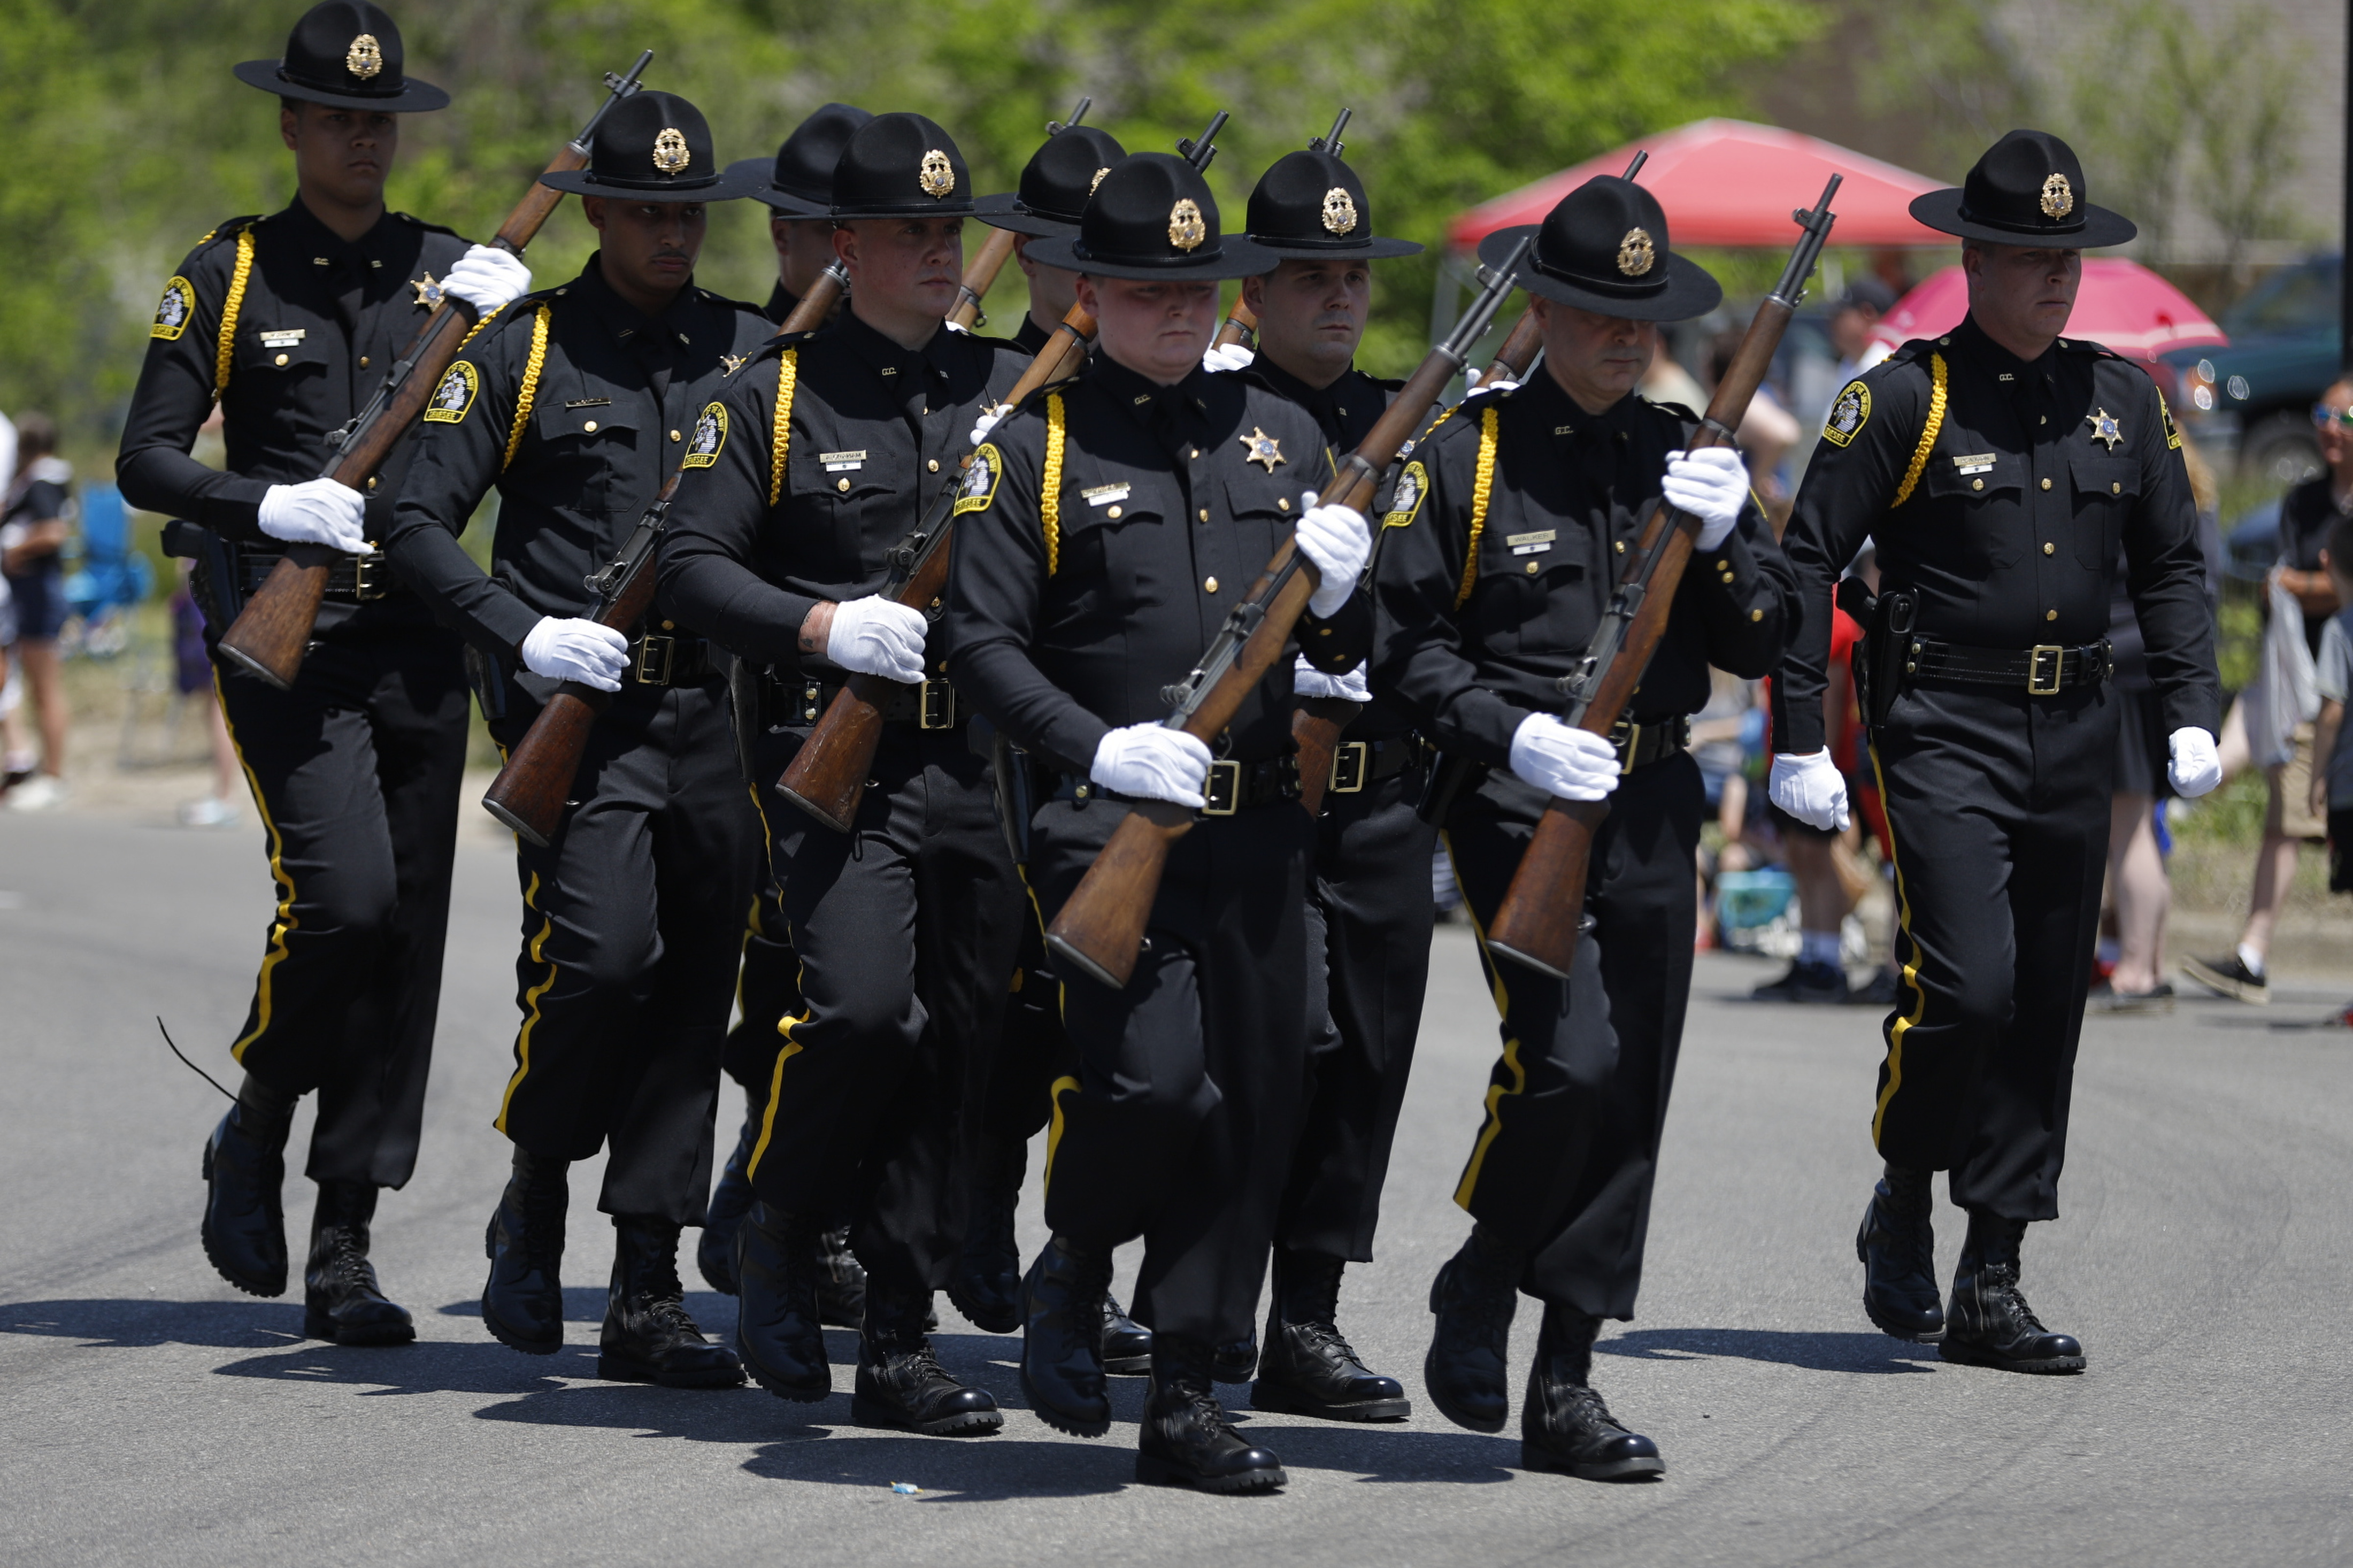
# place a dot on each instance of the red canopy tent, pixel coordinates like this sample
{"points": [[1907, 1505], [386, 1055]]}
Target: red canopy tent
{"points": [[2121, 306], [1729, 183]]}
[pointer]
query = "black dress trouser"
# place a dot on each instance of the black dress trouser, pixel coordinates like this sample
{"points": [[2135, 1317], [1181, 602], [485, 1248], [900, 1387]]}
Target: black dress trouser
{"points": [[355, 773], [768, 991], [1997, 803], [1563, 1165], [633, 919]]}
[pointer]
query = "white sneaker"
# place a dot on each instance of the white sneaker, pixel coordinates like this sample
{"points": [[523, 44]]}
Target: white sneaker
{"points": [[209, 812], [42, 792]]}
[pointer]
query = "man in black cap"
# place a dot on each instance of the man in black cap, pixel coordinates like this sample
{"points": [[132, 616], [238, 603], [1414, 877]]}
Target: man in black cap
{"points": [[1508, 528], [288, 322], [1999, 468], [576, 406], [798, 187], [1110, 526], [905, 927], [1055, 185]]}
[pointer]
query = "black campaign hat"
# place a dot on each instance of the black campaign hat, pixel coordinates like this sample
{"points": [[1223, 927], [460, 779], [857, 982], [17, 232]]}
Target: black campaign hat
{"points": [[1603, 247], [799, 183], [901, 165], [347, 53], [1153, 216], [2027, 189], [1311, 205], [1055, 184], [653, 147]]}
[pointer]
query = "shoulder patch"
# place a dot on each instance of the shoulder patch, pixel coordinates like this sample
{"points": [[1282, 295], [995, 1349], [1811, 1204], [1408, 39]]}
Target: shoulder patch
{"points": [[1405, 501], [454, 398], [980, 481], [710, 438], [2164, 416], [1849, 415], [174, 311]]}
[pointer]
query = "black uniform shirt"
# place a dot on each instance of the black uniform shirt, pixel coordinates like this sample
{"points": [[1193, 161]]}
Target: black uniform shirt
{"points": [[876, 429], [1171, 501], [2306, 514], [614, 410], [1474, 632], [2012, 532], [1031, 337]]}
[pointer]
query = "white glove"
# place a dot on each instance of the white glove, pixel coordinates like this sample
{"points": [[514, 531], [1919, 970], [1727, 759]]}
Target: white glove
{"points": [[1225, 357], [1306, 680], [1809, 786], [1338, 539], [1562, 760], [2196, 767], [989, 421], [1712, 484], [1501, 383], [1153, 760], [316, 511], [487, 278], [568, 648], [875, 635]]}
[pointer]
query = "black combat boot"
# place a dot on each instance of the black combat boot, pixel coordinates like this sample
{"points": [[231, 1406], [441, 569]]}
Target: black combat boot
{"points": [[1898, 1248], [1185, 1438], [1062, 1338], [1989, 1323], [1308, 1367], [778, 1330], [1236, 1361], [840, 1280], [523, 1301], [340, 1298], [988, 1286], [244, 1228], [900, 1383], [648, 1336], [1126, 1343], [714, 1254], [1564, 1426], [1467, 1370]]}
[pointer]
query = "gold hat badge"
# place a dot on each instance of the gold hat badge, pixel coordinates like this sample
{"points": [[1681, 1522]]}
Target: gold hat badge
{"points": [[1636, 253], [671, 156], [1185, 229], [938, 175], [1098, 179], [2058, 196], [364, 58], [1339, 210]]}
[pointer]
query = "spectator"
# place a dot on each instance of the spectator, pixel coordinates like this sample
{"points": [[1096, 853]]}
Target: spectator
{"points": [[2332, 783], [1767, 431], [2307, 515], [35, 520], [1858, 310], [194, 671]]}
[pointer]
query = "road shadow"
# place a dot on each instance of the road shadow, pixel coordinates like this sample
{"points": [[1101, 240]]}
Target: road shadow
{"points": [[125, 1323], [1815, 1351]]}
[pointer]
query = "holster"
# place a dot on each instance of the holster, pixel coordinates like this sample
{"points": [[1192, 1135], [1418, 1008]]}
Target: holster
{"points": [[213, 583], [489, 682], [1887, 621], [744, 680], [1445, 782], [1016, 792]]}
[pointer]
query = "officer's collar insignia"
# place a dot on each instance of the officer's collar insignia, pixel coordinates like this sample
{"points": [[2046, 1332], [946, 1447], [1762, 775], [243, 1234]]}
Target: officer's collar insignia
{"points": [[1339, 210], [734, 364], [2058, 197], [710, 438], [2105, 429], [364, 58], [1636, 253], [1098, 179], [937, 176], [1185, 229], [671, 156], [1263, 448], [428, 290]]}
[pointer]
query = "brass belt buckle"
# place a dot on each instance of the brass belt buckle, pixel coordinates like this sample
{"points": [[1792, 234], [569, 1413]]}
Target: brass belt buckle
{"points": [[1222, 790], [1627, 749], [935, 707], [2035, 679], [1351, 764], [654, 656], [367, 577]]}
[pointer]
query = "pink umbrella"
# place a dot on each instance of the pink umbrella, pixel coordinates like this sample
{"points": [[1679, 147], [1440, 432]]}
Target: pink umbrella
{"points": [[2121, 306]]}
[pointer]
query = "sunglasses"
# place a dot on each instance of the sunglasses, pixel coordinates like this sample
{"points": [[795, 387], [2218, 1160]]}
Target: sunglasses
{"points": [[2326, 418]]}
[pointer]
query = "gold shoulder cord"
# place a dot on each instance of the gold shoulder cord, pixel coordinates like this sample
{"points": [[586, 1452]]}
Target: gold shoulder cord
{"points": [[1049, 484], [475, 329], [530, 389], [780, 438], [229, 309], [1927, 436], [1481, 488]]}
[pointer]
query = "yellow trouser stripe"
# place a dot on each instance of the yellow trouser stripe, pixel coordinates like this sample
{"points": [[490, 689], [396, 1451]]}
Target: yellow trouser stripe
{"points": [[285, 921], [529, 1001], [1062, 1085], [1495, 1092], [1907, 1021], [784, 1026]]}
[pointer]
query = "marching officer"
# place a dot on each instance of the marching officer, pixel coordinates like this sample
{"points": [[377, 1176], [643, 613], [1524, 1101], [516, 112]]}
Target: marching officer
{"points": [[288, 322], [576, 406], [1506, 532], [833, 445], [798, 187], [1111, 524], [1054, 188], [1999, 468]]}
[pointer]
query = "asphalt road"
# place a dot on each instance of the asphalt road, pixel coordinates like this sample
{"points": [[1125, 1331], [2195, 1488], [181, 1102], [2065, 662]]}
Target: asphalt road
{"points": [[150, 1414]]}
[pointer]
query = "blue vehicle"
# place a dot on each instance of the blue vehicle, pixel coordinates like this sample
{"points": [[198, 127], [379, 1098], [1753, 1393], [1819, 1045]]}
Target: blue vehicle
{"points": [[2253, 399]]}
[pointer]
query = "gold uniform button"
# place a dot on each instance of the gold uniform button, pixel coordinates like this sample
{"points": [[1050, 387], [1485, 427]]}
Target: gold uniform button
{"points": [[1755, 615], [2049, 549], [1727, 576], [1724, 565], [1532, 568], [2046, 484], [1977, 484], [372, 481], [842, 485], [364, 362], [670, 625], [1621, 547], [1204, 514], [931, 467], [674, 436], [1282, 503], [1209, 585], [590, 425], [1115, 511], [2050, 615], [2115, 487], [281, 359]]}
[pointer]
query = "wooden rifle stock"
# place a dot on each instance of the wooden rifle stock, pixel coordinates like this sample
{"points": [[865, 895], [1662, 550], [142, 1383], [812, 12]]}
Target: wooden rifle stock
{"points": [[994, 252], [817, 305], [1239, 328], [1518, 353]]}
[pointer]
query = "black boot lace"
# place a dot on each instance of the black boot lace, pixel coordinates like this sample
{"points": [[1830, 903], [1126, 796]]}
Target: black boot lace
{"points": [[346, 1265]]}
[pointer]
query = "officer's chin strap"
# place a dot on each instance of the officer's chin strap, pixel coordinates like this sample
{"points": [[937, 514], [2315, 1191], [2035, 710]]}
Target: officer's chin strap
{"points": [[189, 1065]]}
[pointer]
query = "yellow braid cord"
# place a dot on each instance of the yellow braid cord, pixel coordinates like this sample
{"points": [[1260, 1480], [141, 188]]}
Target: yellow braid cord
{"points": [[1482, 487], [780, 440], [475, 329], [530, 389], [230, 307], [1928, 435], [1050, 485]]}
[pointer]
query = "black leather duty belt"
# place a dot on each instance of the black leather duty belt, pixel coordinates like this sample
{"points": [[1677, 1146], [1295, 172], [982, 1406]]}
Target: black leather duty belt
{"points": [[354, 579], [2044, 670], [929, 706], [1357, 766], [657, 659], [1638, 745], [1231, 786]]}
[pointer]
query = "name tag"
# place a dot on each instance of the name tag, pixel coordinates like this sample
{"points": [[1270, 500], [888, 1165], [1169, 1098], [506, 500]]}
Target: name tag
{"points": [[1103, 495], [588, 403], [1532, 544], [1976, 463], [841, 463], [285, 339]]}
